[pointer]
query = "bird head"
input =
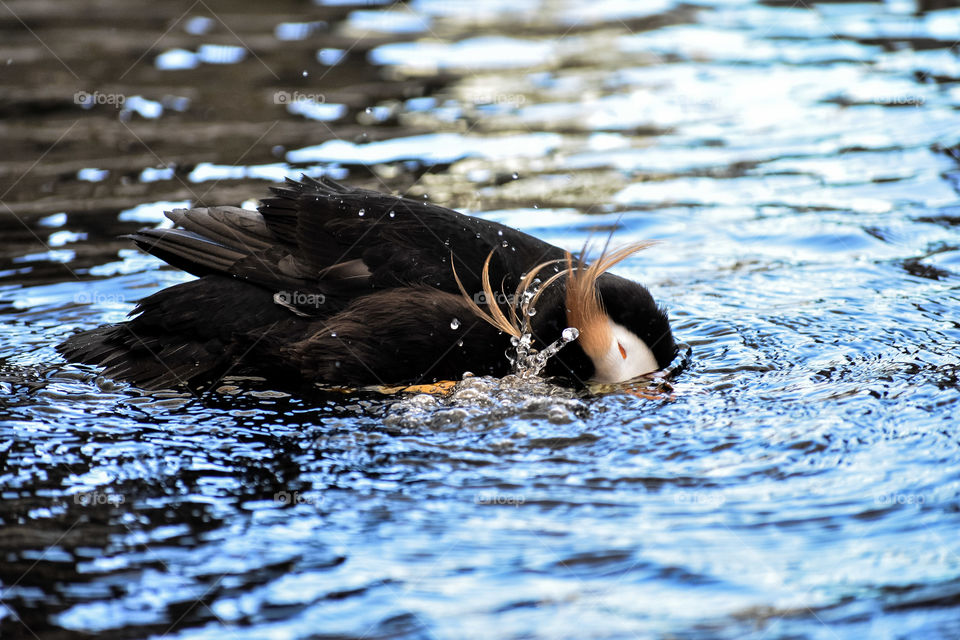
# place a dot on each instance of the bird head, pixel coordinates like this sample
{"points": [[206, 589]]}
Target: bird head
{"points": [[622, 330], [623, 334]]}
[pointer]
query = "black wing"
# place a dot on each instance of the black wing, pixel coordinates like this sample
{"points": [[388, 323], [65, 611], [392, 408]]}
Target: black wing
{"points": [[199, 331], [401, 241], [318, 236]]}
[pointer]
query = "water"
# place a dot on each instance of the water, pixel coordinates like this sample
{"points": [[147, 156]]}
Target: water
{"points": [[798, 478]]}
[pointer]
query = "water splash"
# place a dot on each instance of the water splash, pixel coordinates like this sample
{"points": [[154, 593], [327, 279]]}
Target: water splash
{"points": [[528, 362], [484, 403]]}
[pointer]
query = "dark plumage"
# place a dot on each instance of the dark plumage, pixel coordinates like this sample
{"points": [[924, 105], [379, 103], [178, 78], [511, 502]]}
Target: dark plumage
{"points": [[345, 286]]}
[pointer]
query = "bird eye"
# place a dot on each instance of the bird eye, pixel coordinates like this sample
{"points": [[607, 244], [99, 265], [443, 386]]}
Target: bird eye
{"points": [[623, 352]]}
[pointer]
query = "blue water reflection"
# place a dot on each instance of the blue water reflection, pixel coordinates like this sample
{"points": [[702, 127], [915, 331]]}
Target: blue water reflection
{"points": [[800, 478]]}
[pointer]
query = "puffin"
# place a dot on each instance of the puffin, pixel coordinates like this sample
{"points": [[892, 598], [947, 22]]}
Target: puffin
{"points": [[332, 285]]}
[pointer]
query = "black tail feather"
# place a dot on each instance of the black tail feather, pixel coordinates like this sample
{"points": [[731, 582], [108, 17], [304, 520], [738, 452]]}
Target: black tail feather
{"points": [[187, 334]]}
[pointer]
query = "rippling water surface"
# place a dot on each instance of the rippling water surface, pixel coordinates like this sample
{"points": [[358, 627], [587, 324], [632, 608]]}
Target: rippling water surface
{"points": [[800, 478]]}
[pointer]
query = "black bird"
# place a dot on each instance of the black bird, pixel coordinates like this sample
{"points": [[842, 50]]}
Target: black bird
{"points": [[345, 286]]}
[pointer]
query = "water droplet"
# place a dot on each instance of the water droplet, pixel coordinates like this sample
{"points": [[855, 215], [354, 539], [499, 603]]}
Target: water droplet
{"points": [[531, 312], [454, 324], [305, 74], [504, 244], [515, 175], [570, 334], [361, 212], [368, 110], [393, 214], [460, 344], [333, 334], [499, 233]]}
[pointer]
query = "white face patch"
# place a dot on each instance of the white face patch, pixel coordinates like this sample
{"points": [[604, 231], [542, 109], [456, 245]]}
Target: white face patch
{"points": [[627, 357]]}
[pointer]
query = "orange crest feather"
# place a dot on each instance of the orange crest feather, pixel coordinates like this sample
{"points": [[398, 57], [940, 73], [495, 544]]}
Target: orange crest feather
{"points": [[584, 309]]}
